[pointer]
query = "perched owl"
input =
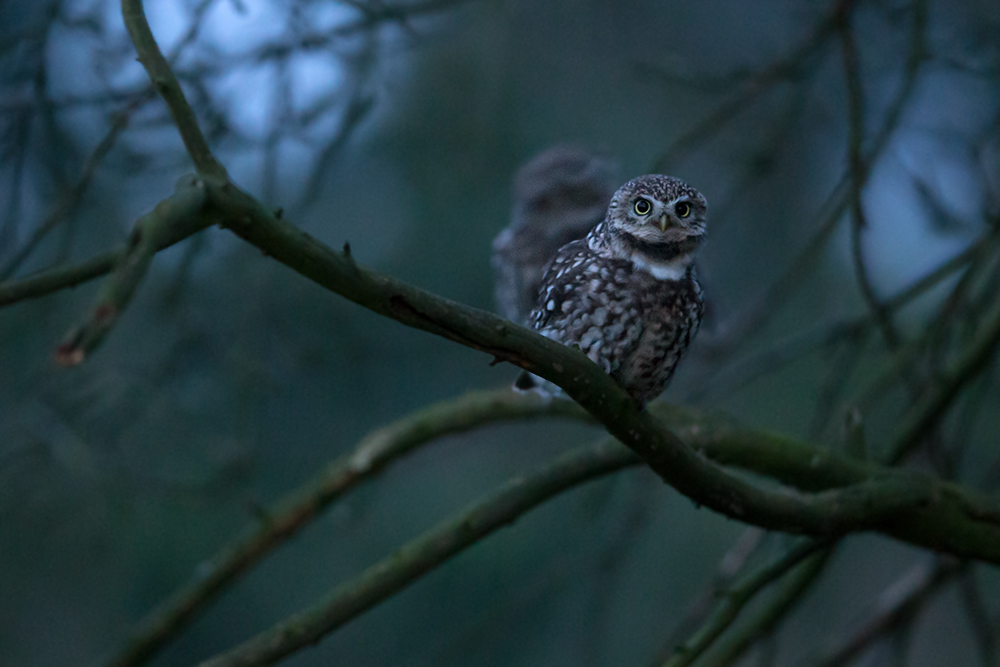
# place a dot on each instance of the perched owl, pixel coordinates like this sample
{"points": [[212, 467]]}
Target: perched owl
{"points": [[627, 294], [559, 196]]}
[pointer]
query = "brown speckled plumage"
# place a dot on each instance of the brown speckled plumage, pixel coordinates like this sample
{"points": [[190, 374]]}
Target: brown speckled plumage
{"points": [[559, 196], [627, 294]]}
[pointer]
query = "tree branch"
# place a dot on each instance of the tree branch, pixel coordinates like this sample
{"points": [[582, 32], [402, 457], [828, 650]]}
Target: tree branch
{"points": [[864, 506], [47, 281], [297, 509], [858, 177], [426, 552], [764, 620], [169, 88], [753, 317], [513, 499], [969, 365], [793, 463], [178, 214], [71, 197], [868, 504], [731, 565], [914, 508]]}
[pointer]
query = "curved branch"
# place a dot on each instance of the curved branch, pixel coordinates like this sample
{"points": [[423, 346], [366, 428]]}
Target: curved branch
{"points": [[297, 509], [864, 505], [182, 212], [788, 461], [517, 496], [58, 278], [734, 645], [71, 197], [861, 507]]}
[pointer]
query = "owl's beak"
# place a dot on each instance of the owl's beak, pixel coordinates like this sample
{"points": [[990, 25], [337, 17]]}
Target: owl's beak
{"points": [[663, 222]]}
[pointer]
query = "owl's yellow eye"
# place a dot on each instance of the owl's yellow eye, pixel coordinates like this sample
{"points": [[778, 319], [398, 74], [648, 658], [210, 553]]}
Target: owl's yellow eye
{"points": [[642, 206], [682, 209]]}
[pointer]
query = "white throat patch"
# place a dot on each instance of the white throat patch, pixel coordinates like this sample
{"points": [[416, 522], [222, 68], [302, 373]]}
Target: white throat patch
{"points": [[672, 270]]}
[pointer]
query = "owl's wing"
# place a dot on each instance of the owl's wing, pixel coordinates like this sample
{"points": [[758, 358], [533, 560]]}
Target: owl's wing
{"points": [[562, 287]]}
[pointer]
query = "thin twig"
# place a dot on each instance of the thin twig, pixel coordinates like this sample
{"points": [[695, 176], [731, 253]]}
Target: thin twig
{"points": [[731, 647], [731, 564], [166, 85], [930, 410], [858, 176], [736, 598], [751, 319], [52, 280], [749, 88], [70, 198], [895, 607], [740, 373]]}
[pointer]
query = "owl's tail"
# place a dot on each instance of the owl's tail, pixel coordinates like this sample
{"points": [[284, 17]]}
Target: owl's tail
{"points": [[525, 381]]}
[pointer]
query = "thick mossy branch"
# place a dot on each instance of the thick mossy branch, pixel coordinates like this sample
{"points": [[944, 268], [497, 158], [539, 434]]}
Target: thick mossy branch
{"points": [[863, 506], [958, 520], [883, 502]]}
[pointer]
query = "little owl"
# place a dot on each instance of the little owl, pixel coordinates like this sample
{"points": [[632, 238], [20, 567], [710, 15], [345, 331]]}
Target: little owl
{"points": [[627, 294]]}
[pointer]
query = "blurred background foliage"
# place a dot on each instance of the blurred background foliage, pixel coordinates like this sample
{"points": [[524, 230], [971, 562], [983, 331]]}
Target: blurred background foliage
{"points": [[230, 379]]}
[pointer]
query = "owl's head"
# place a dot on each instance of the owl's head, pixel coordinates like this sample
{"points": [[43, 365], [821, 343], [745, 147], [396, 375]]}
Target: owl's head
{"points": [[654, 220], [564, 187]]}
